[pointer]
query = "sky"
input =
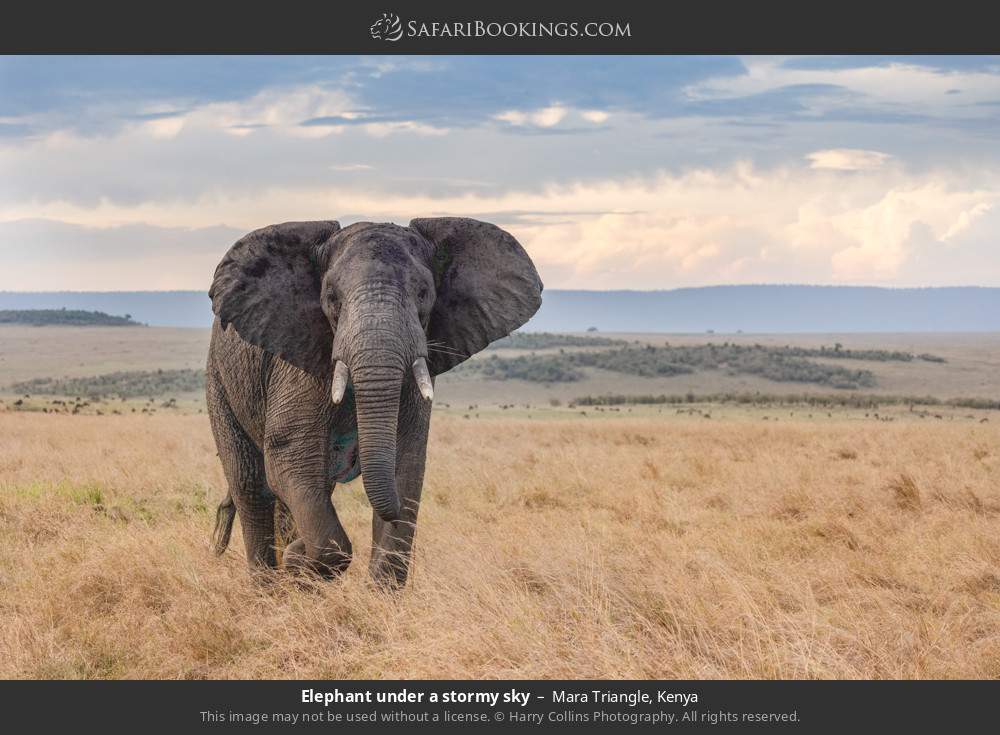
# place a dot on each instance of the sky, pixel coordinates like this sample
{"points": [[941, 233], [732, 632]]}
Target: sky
{"points": [[650, 172]]}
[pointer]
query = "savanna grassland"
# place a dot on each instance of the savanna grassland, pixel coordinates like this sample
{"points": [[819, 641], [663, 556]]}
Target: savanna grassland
{"points": [[668, 546], [731, 539]]}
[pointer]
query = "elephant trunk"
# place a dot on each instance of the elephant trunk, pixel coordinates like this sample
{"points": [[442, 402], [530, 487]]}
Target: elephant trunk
{"points": [[377, 387]]}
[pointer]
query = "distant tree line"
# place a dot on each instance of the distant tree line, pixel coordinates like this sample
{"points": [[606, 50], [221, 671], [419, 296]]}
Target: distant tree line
{"points": [[68, 317], [838, 352], [129, 384], [781, 364], [547, 340], [838, 400]]}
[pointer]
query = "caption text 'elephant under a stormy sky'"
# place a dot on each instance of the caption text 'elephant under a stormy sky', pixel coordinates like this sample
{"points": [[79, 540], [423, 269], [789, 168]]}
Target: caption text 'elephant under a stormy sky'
{"points": [[321, 365]]}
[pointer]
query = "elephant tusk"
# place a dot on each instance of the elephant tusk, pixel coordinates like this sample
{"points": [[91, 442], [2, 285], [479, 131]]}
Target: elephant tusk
{"points": [[340, 375], [423, 377]]}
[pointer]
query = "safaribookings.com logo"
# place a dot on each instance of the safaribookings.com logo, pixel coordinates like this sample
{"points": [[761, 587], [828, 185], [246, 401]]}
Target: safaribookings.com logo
{"points": [[390, 28], [387, 28]]}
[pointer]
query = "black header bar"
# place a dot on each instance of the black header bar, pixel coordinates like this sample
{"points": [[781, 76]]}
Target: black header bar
{"points": [[450, 27]]}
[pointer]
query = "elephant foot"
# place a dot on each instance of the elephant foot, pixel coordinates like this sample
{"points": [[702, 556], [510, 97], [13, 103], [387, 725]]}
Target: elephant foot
{"points": [[389, 571], [331, 562]]}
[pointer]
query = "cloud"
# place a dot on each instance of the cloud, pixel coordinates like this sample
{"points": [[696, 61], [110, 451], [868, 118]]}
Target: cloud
{"points": [[967, 219], [44, 93], [847, 159], [640, 172], [878, 237], [311, 111], [165, 127], [735, 224], [544, 117], [46, 255], [595, 116], [557, 119], [892, 88], [283, 109], [940, 64]]}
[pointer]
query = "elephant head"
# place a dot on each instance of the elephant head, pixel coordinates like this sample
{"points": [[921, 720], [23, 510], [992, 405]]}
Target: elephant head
{"points": [[382, 306]]}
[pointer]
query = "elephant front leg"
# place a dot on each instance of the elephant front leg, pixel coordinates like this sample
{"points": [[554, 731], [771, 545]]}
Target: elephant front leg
{"points": [[322, 546], [392, 543]]}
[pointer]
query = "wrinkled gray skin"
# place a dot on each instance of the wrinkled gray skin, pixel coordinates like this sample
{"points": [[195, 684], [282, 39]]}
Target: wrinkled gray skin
{"points": [[293, 299]]}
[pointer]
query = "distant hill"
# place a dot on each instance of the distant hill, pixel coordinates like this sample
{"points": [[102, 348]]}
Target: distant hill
{"points": [[65, 317], [720, 308], [778, 308], [155, 308]]}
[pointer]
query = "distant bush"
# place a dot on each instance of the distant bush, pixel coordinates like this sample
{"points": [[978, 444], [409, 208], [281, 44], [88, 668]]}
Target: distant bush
{"points": [[132, 384], [546, 340], [648, 362], [68, 317], [774, 363], [533, 368], [838, 352], [985, 404]]}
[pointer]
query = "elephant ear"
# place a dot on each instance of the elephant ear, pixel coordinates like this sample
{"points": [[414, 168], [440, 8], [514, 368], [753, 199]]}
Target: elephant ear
{"points": [[486, 284], [268, 287]]}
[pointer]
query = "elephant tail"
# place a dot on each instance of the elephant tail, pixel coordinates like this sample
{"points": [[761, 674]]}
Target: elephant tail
{"points": [[224, 517]]}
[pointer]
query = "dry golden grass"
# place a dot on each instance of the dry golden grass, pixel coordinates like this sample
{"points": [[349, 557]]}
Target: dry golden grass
{"points": [[573, 548]]}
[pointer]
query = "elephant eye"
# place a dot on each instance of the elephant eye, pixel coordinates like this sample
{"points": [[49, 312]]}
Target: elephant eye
{"points": [[422, 295]]}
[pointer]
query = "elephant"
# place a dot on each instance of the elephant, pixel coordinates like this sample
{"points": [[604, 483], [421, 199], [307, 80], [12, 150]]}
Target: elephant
{"points": [[325, 346]]}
